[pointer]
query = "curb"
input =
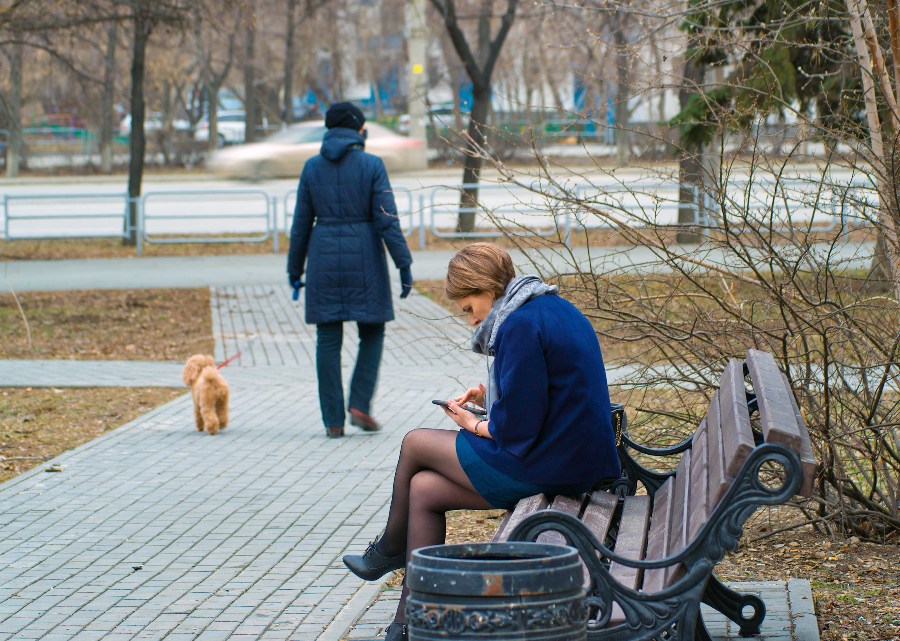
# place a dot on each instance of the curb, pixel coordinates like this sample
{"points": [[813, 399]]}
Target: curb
{"points": [[350, 613]]}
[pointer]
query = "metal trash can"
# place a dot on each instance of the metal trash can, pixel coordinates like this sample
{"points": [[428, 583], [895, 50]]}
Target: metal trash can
{"points": [[514, 591]]}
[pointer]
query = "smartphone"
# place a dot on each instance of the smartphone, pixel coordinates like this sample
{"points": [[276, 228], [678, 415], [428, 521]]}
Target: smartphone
{"points": [[475, 410]]}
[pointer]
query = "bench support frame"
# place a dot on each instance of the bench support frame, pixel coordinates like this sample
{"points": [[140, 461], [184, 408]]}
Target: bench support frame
{"points": [[674, 612]]}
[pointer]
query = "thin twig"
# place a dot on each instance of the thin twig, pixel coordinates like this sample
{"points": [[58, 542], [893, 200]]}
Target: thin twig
{"points": [[21, 313]]}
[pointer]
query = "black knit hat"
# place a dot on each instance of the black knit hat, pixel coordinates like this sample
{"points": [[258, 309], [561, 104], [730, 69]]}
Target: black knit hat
{"points": [[344, 114]]}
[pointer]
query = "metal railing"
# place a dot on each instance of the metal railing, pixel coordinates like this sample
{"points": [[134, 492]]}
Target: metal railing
{"points": [[262, 215], [23, 213], [253, 215]]}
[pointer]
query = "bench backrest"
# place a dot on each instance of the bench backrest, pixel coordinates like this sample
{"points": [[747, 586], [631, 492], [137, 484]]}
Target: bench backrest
{"points": [[719, 448]]}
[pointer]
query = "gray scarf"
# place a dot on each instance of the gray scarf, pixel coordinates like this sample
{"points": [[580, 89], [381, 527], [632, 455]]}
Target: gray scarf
{"points": [[519, 291]]}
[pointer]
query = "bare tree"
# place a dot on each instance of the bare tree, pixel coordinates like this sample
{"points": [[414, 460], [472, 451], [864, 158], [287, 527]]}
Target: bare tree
{"points": [[143, 16], [479, 64], [14, 110], [108, 97], [884, 131], [215, 31]]}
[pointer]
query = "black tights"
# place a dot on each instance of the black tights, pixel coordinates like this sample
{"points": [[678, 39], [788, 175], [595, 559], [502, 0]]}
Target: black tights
{"points": [[428, 483]]}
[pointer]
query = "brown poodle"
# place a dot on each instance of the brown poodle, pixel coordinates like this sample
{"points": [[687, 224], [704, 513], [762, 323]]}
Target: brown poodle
{"points": [[210, 392]]}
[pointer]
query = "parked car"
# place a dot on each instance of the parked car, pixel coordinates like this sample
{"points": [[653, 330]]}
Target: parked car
{"points": [[283, 154], [153, 121], [231, 128]]}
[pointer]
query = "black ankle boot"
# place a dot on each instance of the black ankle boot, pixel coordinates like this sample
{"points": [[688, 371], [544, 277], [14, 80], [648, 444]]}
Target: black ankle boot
{"points": [[396, 631], [372, 564]]}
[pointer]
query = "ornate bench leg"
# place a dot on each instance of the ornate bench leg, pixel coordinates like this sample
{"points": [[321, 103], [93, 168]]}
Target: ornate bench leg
{"points": [[701, 633], [732, 604]]}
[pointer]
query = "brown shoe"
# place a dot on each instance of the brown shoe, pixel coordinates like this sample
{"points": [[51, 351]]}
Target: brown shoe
{"points": [[363, 421], [334, 432]]}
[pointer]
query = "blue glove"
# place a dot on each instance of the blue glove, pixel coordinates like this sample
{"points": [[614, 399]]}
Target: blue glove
{"points": [[406, 282], [295, 283]]}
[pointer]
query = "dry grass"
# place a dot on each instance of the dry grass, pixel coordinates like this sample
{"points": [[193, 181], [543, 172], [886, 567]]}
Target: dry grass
{"points": [[155, 324], [39, 424]]}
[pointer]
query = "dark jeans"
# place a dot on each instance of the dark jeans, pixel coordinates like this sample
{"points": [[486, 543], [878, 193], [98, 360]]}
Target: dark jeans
{"points": [[329, 337]]}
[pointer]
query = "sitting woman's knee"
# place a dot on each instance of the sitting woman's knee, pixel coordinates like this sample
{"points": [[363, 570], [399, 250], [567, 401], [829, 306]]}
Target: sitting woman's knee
{"points": [[414, 439], [425, 489]]}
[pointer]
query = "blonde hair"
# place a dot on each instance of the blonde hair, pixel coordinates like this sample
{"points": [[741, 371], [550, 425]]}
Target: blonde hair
{"points": [[480, 267]]}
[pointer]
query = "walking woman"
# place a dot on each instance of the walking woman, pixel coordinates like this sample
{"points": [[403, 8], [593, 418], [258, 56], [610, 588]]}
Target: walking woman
{"points": [[345, 216], [548, 427]]}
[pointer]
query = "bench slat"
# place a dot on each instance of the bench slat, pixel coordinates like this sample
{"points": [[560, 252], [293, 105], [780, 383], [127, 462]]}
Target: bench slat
{"points": [[568, 504], [598, 513], [698, 491], [632, 539], [657, 539], [718, 478], [807, 456], [776, 413], [523, 508], [681, 514], [631, 543], [734, 418]]}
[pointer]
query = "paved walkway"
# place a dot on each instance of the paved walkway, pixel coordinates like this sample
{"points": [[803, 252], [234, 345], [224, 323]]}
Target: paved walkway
{"points": [[156, 531]]}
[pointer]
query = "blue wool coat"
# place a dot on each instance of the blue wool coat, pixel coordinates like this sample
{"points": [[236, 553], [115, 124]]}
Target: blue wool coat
{"points": [[344, 218], [551, 421]]}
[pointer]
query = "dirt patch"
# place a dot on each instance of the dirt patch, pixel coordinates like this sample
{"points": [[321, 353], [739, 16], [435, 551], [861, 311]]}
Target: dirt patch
{"points": [[38, 424], [75, 248], [155, 324]]}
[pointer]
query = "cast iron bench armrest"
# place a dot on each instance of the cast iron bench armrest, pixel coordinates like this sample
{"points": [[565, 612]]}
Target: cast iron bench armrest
{"points": [[657, 451]]}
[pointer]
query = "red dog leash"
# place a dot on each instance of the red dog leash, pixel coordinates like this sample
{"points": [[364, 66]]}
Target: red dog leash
{"points": [[223, 364]]}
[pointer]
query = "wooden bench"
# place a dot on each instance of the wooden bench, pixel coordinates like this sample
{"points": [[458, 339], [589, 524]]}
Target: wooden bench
{"points": [[649, 556]]}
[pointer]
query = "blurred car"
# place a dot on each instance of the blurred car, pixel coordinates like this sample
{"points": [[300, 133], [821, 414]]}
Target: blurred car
{"points": [[231, 128], [153, 121], [283, 154]]}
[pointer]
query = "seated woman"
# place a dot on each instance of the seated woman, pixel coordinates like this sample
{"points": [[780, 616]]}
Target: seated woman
{"points": [[548, 427]]}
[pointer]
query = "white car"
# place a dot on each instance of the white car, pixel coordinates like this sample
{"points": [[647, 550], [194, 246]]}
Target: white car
{"points": [[153, 122], [284, 154], [231, 125]]}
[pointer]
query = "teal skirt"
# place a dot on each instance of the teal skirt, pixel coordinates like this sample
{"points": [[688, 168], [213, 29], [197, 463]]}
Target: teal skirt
{"points": [[497, 488]]}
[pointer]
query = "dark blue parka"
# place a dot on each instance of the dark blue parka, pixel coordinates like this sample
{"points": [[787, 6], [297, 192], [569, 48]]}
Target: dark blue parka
{"points": [[345, 216]]}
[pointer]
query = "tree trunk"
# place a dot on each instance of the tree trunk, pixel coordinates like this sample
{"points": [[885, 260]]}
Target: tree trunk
{"points": [[213, 118], [287, 109], [14, 144], [468, 202], [250, 82], [142, 30], [109, 88], [884, 271], [479, 67], [690, 165], [623, 91]]}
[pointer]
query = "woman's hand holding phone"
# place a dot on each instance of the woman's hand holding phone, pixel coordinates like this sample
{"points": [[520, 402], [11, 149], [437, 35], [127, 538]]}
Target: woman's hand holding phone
{"points": [[473, 394], [459, 414]]}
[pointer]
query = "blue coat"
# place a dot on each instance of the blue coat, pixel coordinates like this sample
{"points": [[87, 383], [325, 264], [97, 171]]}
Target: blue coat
{"points": [[551, 421], [345, 216]]}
